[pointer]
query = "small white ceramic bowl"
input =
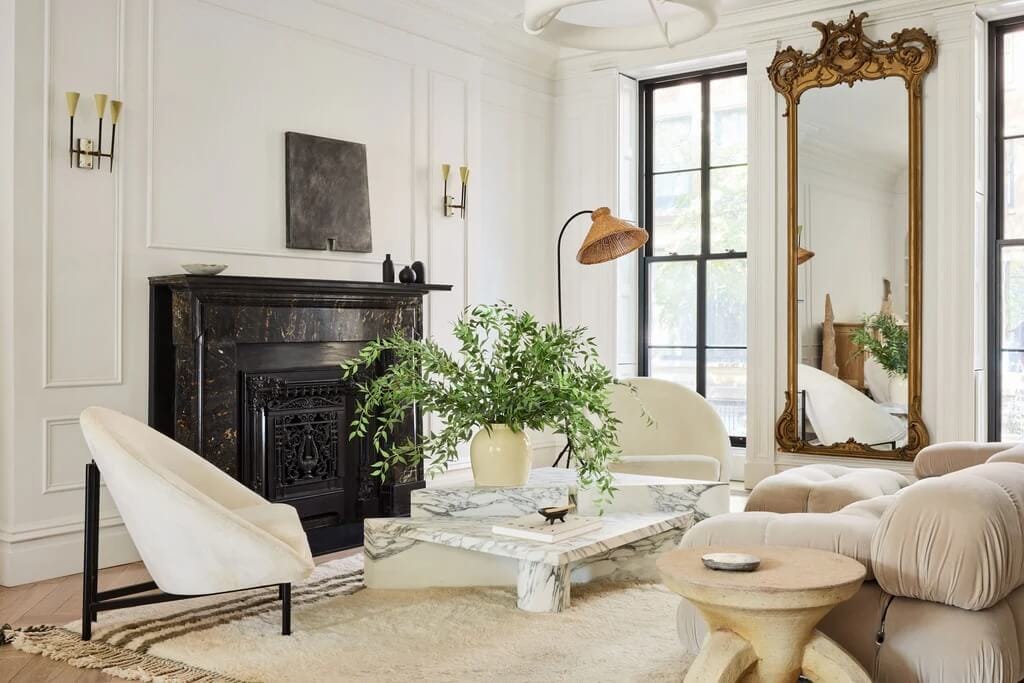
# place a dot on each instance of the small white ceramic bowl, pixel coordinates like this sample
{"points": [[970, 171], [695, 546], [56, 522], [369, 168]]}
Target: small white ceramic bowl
{"points": [[204, 268]]}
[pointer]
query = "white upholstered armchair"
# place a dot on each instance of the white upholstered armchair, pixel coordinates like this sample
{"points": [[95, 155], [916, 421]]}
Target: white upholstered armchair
{"points": [[688, 439], [198, 530]]}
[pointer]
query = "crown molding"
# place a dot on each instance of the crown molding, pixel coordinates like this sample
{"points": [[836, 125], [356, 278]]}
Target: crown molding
{"points": [[789, 20]]}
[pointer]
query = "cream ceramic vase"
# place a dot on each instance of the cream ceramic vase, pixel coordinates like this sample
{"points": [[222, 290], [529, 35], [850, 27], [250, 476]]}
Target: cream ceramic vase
{"points": [[501, 457], [898, 390]]}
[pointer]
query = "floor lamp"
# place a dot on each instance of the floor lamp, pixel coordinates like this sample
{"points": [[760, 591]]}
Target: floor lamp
{"points": [[608, 239]]}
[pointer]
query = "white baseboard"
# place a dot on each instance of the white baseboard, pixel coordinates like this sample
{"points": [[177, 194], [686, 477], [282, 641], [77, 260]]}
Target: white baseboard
{"points": [[48, 557]]}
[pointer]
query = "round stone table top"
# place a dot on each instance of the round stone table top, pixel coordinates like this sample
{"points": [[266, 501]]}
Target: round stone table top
{"points": [[788, 578]]}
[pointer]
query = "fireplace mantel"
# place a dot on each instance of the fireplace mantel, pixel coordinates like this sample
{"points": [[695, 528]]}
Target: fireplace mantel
{"points": [[213, 339]]}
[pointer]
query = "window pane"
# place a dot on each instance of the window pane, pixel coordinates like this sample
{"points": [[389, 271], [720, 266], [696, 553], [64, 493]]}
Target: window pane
{"points": [[729, 121], [1011, 385], [728, 209], [677, 213], [677, 127], [675, 365], [1013, 83], [672, 292], [1013, 189], [727, 302], [727, 387], [1012, 296]]}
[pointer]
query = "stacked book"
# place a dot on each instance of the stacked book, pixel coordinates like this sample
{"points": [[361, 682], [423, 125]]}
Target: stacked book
{"points": [[535, 528]]}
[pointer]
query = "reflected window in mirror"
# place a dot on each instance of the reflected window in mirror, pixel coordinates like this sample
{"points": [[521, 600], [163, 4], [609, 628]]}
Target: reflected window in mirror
{"points": [[693, 275], [1006, 230]]}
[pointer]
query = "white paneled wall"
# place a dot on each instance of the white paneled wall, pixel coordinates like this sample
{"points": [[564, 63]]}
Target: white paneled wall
{"points": [[210, 87]]}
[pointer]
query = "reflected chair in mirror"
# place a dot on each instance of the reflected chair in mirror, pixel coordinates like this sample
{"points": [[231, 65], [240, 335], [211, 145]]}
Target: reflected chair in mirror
{"points": [[688, 439], [198, 531], [838, 412]]}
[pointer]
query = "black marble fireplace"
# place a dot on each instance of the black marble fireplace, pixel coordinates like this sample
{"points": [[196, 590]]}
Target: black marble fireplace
{"points": [[244, 371]]}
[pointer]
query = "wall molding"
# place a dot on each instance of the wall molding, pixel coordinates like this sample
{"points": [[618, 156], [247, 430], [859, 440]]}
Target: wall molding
{"points": [[153, 243], [49, 486], [49, 380], [27, 558]]}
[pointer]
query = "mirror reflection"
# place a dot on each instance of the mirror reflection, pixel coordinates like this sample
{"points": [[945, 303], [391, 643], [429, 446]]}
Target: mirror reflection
{"points": [[852, 264]]}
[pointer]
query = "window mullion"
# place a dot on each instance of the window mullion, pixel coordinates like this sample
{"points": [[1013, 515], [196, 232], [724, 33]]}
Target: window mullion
{"points": [[705, 234]]}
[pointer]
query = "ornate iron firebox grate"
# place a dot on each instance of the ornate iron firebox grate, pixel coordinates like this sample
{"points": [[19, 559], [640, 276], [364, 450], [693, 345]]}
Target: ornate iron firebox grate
{"points": [[297, 448]]}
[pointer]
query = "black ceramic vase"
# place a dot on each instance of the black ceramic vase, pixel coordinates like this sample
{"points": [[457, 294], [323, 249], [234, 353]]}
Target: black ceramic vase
{"points": [[388, 269], [420, 271], [407, 276]]}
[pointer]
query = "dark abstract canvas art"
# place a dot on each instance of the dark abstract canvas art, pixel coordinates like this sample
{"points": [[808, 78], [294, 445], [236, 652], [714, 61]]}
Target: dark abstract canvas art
{"points": [[327, 194]]}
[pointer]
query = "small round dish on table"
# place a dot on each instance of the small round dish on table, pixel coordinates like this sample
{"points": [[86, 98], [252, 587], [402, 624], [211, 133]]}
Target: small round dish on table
{"points": [[762, 623]]}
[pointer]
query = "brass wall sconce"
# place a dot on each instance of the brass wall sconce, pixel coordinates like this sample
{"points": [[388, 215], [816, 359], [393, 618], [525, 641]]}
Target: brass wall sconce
{"points": [[449, 201], [83, 152]]}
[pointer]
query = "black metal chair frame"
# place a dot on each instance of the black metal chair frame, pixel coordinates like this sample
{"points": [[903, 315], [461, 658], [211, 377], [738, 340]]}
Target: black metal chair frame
{"points": [[95, 601]]}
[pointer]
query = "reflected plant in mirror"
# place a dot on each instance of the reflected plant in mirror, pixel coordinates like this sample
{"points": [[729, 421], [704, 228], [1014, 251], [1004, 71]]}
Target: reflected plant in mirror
{"points": [[885, 339]]}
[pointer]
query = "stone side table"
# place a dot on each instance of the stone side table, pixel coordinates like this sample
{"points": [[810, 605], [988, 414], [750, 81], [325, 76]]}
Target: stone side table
{"points": [[762, 623]]}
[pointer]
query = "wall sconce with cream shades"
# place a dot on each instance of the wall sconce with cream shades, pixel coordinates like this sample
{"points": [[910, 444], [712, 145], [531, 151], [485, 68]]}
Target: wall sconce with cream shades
{"points": [[449, 201], [84, 152]]}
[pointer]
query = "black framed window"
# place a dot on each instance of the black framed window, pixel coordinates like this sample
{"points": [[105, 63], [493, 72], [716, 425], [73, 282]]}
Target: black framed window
{"points": [[693, 270], [1006, 230]]}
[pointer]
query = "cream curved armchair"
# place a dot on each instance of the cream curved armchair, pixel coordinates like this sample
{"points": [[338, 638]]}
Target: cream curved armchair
{"points": [[688, 439], [198, 530], [837, 412]]}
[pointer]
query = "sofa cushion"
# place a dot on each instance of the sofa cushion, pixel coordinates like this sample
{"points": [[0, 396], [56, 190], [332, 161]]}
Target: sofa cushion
{"points": [[951, 456], [822, 488], [1015, 454], [956, 539], [846, 534]]}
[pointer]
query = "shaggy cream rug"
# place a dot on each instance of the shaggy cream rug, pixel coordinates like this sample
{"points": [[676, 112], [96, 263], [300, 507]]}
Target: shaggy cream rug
{"points": [[344, 632]]}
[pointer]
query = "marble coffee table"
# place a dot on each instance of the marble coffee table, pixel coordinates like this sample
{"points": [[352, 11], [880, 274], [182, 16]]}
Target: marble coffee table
{"points": [[406, 552], [447, 541], [557, 486]]}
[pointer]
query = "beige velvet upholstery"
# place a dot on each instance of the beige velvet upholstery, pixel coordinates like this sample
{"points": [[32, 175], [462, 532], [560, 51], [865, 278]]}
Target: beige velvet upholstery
{"points": [[822, 488], [1015, 455], [947, 560], [688, 439], [957, 539], [197, 529], [943, 458]]}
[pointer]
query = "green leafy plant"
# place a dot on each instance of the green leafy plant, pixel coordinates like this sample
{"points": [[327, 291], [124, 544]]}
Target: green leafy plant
{"points": [[509, 369], [885, 339]]}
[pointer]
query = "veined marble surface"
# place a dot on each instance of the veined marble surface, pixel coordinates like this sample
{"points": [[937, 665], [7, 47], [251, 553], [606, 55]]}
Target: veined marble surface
{"points": [[550, 486], [387, 537], [512, 501]]}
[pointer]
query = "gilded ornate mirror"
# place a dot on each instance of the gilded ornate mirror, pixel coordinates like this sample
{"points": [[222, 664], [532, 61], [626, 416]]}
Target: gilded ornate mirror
{"points": [[853, 268]]}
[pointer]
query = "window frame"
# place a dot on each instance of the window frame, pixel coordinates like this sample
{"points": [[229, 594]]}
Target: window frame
{"points": [[996, 197], [646, 256]]}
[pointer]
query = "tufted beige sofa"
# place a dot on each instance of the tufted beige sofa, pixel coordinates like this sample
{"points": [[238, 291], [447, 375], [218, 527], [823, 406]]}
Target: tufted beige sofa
{"points": [[822, 488], [943, 602], [943, 458]]}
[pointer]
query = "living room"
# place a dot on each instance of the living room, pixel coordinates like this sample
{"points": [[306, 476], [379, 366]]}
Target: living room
{"points": [[548, 340]]}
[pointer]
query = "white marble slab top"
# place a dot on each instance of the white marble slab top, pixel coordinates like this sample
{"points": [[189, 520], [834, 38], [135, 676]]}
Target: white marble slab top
{"points": [[471, 533], [559, 476]]}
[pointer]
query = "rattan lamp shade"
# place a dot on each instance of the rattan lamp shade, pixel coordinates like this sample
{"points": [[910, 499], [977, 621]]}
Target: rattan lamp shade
{"points": [[609, 238]]}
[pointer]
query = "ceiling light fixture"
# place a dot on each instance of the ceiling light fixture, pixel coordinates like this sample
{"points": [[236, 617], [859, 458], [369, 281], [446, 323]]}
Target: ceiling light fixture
{"points": [[665, 27]]}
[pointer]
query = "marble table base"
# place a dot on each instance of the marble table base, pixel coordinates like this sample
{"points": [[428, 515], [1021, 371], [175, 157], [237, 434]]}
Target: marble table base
{"points": [[543, 584]]}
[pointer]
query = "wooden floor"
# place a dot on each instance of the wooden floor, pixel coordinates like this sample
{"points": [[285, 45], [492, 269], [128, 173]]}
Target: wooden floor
{"points": [[59, 601]]}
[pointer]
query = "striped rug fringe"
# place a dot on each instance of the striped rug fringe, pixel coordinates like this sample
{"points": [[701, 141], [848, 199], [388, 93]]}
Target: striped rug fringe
{"points": [[62, 645]]}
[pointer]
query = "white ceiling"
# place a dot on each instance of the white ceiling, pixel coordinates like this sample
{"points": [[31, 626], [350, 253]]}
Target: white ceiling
{"points": [[605, 12]]}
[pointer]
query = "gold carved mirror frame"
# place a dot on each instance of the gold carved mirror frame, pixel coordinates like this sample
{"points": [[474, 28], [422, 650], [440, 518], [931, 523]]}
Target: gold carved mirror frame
{"points": [[846, 55]]}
